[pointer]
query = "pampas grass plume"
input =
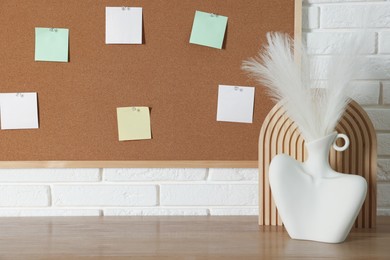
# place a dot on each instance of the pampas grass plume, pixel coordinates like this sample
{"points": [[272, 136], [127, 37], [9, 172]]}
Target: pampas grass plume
{"points": [[315, 108]]}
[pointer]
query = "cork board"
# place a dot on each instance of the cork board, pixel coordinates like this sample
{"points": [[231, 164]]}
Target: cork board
{"points": [[177, 80]]}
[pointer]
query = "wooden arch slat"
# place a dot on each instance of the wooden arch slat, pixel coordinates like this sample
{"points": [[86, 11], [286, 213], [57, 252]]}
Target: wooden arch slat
{"points": [[280, 135]]}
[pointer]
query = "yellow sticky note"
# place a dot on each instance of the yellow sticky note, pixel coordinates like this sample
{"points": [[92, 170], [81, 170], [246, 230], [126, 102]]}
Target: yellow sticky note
{"points": [[133, 123]]}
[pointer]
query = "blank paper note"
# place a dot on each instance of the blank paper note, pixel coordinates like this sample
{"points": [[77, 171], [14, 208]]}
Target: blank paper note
{"points": [[208, 29], [51, 44], [133, 123], [19, 110], [235, 104], [123, 25]]}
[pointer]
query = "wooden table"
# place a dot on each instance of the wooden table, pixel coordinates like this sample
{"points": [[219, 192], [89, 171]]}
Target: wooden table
{"points": [[175, 238]]}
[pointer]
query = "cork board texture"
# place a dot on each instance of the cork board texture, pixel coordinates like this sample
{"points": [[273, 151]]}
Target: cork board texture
{"points": [[177, 80]]}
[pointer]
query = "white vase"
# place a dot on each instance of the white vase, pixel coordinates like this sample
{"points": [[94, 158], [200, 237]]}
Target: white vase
{"points": [[314, 201]]}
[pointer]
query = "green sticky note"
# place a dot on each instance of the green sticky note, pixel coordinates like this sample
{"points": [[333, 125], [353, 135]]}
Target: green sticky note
{"points": [[133, 123], [51, 44], [208, 29]]}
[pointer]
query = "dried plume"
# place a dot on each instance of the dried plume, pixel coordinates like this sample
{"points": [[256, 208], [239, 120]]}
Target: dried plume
{"points": [[315, 106]]}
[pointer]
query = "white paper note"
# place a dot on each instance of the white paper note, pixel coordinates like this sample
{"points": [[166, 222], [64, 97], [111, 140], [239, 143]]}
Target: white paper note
{"points": [[18, 110], [235, 104], [123, 25]]}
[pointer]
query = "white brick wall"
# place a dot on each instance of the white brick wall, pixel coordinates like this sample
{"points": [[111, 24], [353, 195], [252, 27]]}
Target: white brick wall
{"points": [[379, 117], [310, 17], [332, 42], [127, 192], [383, 42], [24, 196], [102, 195], [49, 175], [154, 175], [384, 170], [368, 92], [208, 195], [386, 93]]}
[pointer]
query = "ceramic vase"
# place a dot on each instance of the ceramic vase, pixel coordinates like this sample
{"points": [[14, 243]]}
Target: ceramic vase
{"points": [[314, 201]]}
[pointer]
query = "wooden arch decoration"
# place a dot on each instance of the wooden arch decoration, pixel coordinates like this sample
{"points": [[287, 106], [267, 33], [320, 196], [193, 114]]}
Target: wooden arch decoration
{"points": [[280, 135]]}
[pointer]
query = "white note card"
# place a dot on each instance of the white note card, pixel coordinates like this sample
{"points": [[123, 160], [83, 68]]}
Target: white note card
{"points": [[235, 104], [123, 25], [18, 110]]}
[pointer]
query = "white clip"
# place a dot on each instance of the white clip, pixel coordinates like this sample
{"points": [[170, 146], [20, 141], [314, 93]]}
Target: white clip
{"points": [[19, 94], [213, 15], [53, 29]]}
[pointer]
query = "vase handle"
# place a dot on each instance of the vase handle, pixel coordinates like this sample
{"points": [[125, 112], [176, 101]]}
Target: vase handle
{"points": [[346, 143]]}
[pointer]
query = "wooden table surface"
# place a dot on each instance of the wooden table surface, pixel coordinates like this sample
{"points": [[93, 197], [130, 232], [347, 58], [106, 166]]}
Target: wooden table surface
{"points": [[175, 238]]}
